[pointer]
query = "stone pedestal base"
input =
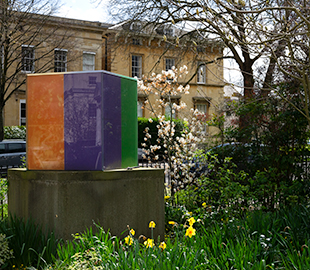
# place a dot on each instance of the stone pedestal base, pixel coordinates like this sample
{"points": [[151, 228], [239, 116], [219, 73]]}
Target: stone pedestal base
{"points": [[67, 202]]}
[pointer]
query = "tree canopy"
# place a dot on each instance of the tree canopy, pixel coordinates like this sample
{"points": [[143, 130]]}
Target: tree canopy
{"points": [[268, 40]]}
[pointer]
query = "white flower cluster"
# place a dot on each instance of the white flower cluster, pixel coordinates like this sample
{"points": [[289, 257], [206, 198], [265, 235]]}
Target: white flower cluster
{"points": [[177, 151]]}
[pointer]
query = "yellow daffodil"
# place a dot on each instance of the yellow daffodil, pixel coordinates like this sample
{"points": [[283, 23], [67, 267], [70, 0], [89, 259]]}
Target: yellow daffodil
{"points": [[132, 232], [172, 222], [167, 197], [204, 205], [162, 245], [128, 240], [152, 224], [190, 232], [149, 243], [191, 221]]}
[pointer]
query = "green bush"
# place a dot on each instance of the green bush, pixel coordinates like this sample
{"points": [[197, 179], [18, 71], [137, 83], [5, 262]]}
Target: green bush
{"points": [[88, 249], [15, 132], [272, 149], [219, 187], [5, 252], [3, 194]]}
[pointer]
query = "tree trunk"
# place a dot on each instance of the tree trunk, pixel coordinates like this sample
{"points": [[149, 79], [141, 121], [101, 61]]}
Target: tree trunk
{"points": [[248, 84], [1, 124], [248, 95]]}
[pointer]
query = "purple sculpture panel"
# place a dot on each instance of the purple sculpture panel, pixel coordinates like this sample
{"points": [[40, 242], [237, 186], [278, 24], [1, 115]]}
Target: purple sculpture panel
{"points": [[82, 121], [112, 121]]}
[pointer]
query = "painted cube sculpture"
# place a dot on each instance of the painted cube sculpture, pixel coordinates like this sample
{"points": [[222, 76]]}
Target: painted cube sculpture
{"points": [[81, 121]]}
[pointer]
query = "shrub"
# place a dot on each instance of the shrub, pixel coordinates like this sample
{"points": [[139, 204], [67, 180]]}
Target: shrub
{"points": [[219, 188], [273, 140], [3, 194], [15, 132], [5, 252]]}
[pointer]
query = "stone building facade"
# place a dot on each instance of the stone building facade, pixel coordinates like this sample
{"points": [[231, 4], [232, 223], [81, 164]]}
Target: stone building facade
{"points": [[133, 49], [125, 50], [82, 50]]}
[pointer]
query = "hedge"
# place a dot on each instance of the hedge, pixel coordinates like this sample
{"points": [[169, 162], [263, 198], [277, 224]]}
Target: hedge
{"points": [[15, 132]]}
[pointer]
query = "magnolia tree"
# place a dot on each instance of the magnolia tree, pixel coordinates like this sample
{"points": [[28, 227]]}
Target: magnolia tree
{"points": [[178, 152]]}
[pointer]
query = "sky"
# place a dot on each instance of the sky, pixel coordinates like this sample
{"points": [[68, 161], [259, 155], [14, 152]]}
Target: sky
{"points": [[84, 10]]}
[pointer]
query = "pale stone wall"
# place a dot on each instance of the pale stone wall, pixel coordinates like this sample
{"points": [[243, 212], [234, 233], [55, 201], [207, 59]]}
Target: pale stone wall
{"points": [[79, 36], [153, 58]]}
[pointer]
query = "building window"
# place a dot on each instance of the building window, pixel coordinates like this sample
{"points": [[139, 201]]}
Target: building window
{"points": [[201, 73], [169, 63], [141, 104], [60, 60], [202, 107], [136, 41], [88, 61], [140, 108], [170, 111], [22, 112], [27, 58], [136, 66]]}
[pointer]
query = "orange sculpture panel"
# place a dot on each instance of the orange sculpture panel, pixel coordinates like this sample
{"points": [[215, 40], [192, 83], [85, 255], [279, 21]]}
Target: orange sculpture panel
{"points": [[45, 127]]}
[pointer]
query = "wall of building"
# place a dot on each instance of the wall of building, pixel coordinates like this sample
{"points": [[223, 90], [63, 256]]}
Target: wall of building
{"points": [[154, 52], [79, 36], [113, 53]]}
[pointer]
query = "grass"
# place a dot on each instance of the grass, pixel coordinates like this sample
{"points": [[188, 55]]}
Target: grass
{"points": [[258, 240]]}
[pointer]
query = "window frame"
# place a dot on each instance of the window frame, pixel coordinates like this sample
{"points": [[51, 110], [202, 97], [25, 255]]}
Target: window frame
{"points": [[139, 67], [63, 68], [26, 58], [174, 115], [140, 108], [205, 101], [93, 65], [21, 118], [202, 78], [169, 59], [137, 41]]}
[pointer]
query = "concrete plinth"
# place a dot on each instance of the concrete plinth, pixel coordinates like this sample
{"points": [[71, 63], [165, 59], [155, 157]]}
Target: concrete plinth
{"points": [[67, 202]]}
